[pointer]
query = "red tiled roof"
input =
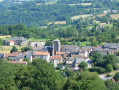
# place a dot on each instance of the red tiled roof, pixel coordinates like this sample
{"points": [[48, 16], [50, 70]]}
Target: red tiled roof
{"points": [[20, 62], [11, 41], [56, 57], [84, 57], [41, 53], [71, 69], [59, 53], [12, 54]]}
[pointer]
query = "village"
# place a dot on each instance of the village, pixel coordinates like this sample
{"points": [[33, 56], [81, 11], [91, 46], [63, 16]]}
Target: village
{"points": [[70, 55]]}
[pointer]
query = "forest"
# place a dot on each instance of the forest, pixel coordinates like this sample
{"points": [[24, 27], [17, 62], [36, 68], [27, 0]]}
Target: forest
{"points": [[42, 75], [32, 14]]}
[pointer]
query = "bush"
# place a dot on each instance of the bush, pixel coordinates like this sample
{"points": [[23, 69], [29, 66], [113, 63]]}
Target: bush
{"points": [[115, 66], [97, 69], [116, 76], [109, 68]]}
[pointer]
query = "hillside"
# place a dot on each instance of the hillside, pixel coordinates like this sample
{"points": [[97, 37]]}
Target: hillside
{"points": [[40, 13]]}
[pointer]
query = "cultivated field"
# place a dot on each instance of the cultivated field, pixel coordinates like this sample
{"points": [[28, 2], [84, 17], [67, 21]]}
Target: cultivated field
{"points": [[115, 16], [80, 16]]}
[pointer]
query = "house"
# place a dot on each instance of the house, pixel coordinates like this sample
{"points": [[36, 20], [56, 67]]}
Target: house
{"points": [[69, 48], [15, 56], [85, 51], [69, 61], [112, 47], [10, 43], [37, 44], [78, 61], [19, 62], [5, 42], [56, 60], [1, 55], [19, 40], [42, 55]]}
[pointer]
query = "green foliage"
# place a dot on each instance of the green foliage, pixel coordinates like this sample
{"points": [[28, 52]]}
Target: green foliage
{"points": [[26, 59], [117, 53], [96, 57], [7, 76], [116, 76], [14, 49], [1, 41], [37, 75], [97, 69], [48, 43], [85, 81], [24, 49], [109, 68], [110, 59], [83, 65], [78, 43], [111, 85]]}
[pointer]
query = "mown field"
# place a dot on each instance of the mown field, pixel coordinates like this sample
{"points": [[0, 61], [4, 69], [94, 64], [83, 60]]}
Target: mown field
{"points": [[6, 49], [115, 16], [80, 16], [83, 4]]}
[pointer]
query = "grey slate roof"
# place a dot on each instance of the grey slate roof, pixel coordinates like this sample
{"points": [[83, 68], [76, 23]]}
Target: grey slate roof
{"points": [[69, 47], [79, 60], [1, 55], [110, 45]]}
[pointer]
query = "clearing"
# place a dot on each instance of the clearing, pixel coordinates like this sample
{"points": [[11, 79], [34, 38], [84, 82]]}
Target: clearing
{"points": [[6, 36], [115, 16], [83, 4], [81, 16], [6, 49]]}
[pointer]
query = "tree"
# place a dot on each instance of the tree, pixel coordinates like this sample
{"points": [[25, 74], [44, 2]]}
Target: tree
{"points": [[78, 43], [74, 43], [83, 65], [96, 57], [110, 59], [14, 49], [48, 43], [85, 81], [1, 41], [7, 75], [116, 76], [109, 68], [24, 49]]}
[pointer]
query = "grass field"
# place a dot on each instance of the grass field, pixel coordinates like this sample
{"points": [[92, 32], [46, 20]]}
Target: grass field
{"points": [[6, 36], [50, 3], [83, 4], [81, 43], [35, 39], [6, 49], [115, 16], [57, 22], [80, 16]]}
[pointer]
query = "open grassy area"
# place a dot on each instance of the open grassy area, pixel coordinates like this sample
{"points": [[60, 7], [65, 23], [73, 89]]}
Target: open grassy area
{"points": [[115, 16], [35, 39], [50, 3], [81, 43], [6, 49], [83, 4], [5, 36], [80, 16], [84, 43]]}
